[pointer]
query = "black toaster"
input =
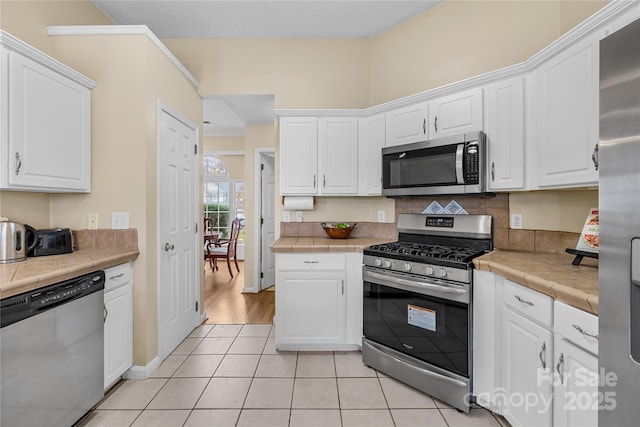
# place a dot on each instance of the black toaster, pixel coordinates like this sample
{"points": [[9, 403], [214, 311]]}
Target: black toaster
{"points": [[53, 241]]}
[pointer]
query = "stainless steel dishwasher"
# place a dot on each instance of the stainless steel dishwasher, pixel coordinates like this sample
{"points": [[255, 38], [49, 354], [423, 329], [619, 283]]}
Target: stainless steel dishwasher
{"points": [[51, 353]]}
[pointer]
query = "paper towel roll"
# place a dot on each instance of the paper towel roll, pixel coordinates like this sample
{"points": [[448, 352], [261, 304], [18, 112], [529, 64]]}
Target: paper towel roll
{"points": [[298, 203]]}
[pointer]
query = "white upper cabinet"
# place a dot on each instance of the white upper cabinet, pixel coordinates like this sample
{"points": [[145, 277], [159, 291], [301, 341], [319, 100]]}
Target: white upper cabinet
{"points": [[565, 118], [455, 114], [318, 156], [407, 124], [505, 134], [338, 155], [371, 141], [46, 122], [298, 155]]}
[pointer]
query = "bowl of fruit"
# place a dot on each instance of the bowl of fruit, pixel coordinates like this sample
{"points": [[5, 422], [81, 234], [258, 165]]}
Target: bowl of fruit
{"points": [[340, 230]]}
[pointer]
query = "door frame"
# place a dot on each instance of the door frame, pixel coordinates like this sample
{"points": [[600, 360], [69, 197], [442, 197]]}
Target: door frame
{"points": [[257, 214], [199, 316]]}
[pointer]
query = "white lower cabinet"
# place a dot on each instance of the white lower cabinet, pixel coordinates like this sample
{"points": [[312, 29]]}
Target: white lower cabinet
{"points": [[118, 323], [535, 360], [318, 299]]}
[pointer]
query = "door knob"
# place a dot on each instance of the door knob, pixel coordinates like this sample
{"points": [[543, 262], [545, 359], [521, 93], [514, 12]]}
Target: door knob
{"points": [[168, 247]]}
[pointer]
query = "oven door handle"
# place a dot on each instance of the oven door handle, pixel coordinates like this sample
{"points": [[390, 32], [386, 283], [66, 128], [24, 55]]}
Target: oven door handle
{"points": [[415, 283]]}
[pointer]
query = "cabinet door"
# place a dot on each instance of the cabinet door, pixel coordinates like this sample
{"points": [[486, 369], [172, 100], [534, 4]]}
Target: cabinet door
{"points": [[566, 116], [505, 134], [298, 155], [49, 129], [455, 114], [407, 124], [575, 396], [338, 155], [527, 371], [118, 333], [310, 308], [370, 153]]}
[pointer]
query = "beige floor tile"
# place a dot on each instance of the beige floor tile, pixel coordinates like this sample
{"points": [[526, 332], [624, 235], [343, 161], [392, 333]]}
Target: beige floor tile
{"points": [[213, 346], [201, 331], [272, 332], [418, 417], [501, 420], [224, 393], [161, 418], [315, 393], [269, 393], [350, 365], [199, 365], [360, 393], [255, 330], [400, 395], [179, 393], [134, 394], [186, 346], [270, 348], [110, 418], [315, 418], [316, 365], [168, 367], [442, 405], [238, 365], [244, 345], [277, 366], [264, 418], [222, 331], [477, 417], [213, 417], [367, 418]]}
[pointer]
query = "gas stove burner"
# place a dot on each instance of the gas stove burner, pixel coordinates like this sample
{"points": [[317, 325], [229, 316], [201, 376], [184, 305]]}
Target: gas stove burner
{"points": [[424, 250]]}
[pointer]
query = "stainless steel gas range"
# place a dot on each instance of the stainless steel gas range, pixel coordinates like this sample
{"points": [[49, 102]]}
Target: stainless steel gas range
{"points": [[417, 311]]}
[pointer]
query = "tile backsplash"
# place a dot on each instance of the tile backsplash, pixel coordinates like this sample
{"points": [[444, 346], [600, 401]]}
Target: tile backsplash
{"points": [[106, 239]]}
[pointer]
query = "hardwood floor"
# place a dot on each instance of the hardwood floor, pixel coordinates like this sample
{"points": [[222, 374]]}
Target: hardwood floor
{"points": [[224, 301]]}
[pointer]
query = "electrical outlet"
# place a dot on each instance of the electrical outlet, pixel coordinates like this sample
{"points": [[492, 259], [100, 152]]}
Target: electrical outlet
{"points": [[298, 216], [119, 220], [381, 216], [516, 221], [286, 216], [92, 221]]}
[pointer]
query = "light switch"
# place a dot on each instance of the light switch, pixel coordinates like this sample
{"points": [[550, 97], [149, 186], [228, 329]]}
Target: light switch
{"points": [[119, 220]]}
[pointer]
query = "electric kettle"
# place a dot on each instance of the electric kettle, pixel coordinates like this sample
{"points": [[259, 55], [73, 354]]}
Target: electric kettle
{"points": [[13, 241]]}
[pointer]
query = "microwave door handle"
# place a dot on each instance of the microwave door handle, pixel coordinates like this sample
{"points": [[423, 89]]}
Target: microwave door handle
{"points": [[459, 163]]}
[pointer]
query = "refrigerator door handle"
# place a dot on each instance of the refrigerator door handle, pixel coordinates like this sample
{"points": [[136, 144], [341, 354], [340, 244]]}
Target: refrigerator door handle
{"points": [[635, 261]]}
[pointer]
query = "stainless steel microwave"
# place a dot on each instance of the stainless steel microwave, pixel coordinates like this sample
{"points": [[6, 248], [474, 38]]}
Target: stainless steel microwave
{"points": [[443, 166]]}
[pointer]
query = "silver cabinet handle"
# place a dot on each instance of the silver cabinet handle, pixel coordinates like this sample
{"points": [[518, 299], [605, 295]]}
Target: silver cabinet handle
{"points": [[435, 124], [342, 287], [583, 332], [18, 163], [493, 171], [594, 156], [314, 180], [524, 301], [106, 313], [542, 355], [312, 262], [424, 126], [168, 247], [117, 276], [558, 366], [324, 181]]}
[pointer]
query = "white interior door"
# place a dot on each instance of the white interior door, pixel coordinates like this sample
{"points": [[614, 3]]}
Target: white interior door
{"points": [[267, 233], [178, 252]]}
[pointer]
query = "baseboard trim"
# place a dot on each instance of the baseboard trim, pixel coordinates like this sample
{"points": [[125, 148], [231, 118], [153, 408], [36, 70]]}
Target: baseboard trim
{"points": [[137, 372]]}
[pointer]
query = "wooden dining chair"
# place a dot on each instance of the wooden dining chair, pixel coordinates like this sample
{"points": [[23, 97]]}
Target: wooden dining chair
{"points": [[225, 248]]}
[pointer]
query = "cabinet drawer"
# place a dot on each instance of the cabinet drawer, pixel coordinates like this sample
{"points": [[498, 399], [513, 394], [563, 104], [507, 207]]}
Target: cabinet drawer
{"points": [[533, 304], [311, 261], [579, 327], [117, 276]]}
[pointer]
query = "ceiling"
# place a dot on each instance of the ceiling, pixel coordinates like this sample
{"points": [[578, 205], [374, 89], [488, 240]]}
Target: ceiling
{"points": [[228, 115]]}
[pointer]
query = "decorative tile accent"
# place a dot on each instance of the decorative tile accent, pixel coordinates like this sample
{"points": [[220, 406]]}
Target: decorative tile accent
{"points": [[105, 238]]}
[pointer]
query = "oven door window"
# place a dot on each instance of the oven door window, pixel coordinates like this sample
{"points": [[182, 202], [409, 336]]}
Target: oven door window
{"points": [[431, 329]]}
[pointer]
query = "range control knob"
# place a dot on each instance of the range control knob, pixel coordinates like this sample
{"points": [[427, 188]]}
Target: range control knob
{"points": [[442, 272], [429, 270], [377, 262], [387, 263], [407, 266]]}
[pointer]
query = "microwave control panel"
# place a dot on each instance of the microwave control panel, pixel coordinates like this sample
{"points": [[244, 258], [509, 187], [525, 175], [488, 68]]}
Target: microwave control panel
{"points": [[472, 163]]}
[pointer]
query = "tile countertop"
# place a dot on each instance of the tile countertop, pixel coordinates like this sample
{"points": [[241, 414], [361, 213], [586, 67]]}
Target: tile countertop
{"points": [[549, 273], [37, 272], [324, 244]]}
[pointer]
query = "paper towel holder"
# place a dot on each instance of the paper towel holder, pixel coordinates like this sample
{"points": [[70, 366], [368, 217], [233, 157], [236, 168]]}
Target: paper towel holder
{"points": [[315, 201]]}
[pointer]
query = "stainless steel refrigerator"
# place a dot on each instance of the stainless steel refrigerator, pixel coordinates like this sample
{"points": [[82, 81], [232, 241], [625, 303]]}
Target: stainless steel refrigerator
{"points": [[619, 268]]}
